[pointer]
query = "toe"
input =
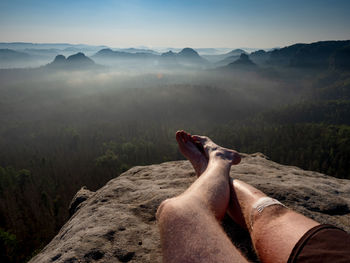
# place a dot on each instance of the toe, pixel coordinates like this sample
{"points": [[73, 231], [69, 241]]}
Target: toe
{"points": [[186, 137], [179, 137], [182, 135], [186, 143]]}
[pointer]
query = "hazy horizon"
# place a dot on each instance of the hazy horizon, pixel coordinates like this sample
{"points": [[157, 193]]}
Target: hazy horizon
{"points": [[153, 23], [154, 48]]}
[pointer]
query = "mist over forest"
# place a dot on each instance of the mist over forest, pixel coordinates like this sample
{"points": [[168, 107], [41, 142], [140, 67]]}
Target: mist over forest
{"points": [[74, 116]]}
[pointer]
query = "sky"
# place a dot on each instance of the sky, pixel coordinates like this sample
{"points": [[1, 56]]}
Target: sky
{"points": [[175, 23]]}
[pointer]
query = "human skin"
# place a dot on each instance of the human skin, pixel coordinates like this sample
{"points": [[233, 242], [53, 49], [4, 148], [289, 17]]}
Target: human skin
{"points": [[189, 224]]}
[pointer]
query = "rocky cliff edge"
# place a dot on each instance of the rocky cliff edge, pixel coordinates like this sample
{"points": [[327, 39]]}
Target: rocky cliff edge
{"points": [[117, 222]]}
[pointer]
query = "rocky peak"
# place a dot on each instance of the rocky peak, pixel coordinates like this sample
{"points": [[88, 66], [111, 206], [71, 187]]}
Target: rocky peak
{"points": [[76, 61], [60, 59], [168, 54], [188, 53], [105, 51], [243, 62], [244, 57], [236, 52], [80, 58]]}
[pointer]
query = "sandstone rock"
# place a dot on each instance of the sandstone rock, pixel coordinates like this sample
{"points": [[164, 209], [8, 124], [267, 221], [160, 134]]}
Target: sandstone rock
{"points": [[79, 199], [117, 222]]}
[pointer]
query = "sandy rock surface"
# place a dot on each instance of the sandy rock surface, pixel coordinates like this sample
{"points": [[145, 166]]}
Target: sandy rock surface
{"points": [[117, 222]]}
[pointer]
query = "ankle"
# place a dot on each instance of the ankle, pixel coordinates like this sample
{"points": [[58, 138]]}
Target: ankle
{"points": [[222, 166], [218, 156], [225, 155]]}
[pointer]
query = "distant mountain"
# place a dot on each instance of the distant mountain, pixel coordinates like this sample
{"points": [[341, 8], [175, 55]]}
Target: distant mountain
{"points": [[74, 62], [28, 57], [314, 55], [260, 56], [188, 53], [169, 54], [228, 60], [24, 45], [14, 59], [60, 46], [138, 50], [340, 59], [42, 52], [59, 61], [125, 60], [80, 59], [169, 60], [209, 51], [318, 55], [243, 63], [187, 57], [234, 54], [42, 56], [108, 54], [12, 55]]}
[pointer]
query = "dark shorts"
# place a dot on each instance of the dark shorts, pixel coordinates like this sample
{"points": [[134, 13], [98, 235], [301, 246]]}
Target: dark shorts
{"points": [[323, 243]]}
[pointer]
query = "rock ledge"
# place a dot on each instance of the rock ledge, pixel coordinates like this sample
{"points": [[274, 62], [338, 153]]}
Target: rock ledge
{"points": [[117, 222]]}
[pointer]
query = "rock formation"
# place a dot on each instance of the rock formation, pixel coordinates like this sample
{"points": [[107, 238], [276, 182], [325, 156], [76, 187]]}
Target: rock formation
{"points": [[117, 222], [186, 57], [188, 53], [74, 62], [243, 63]]}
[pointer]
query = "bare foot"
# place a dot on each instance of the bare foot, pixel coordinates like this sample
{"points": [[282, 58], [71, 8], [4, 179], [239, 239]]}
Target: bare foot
{"points": [[200, 149], [193, 151], [215, 152]]}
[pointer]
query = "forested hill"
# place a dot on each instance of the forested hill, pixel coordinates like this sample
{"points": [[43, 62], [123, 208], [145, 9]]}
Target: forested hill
{"points": [[320, 55]]}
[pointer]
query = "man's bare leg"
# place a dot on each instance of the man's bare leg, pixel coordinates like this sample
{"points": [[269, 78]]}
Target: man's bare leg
{"points": [[189, 224], [274, 231]]}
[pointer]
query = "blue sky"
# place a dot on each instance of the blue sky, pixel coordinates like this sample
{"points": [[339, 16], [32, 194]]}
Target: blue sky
{"points": [[180, 23]]}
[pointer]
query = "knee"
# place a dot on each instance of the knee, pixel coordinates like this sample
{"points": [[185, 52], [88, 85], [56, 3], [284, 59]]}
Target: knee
{"points": [[164, 205], [169, 208]]}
